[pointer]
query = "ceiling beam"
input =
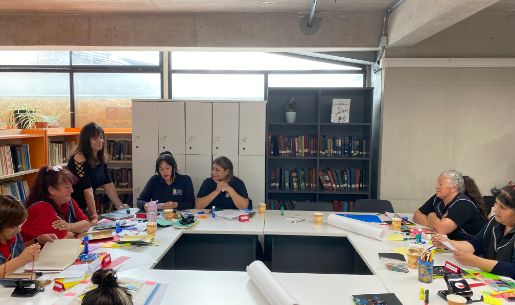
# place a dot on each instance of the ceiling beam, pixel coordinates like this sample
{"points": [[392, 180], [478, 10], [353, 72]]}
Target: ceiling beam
{"points": [[416, 20]]}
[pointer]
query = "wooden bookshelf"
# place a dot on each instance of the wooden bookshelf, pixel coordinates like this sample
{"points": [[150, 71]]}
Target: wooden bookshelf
{"points": [[68, 137], [314, 119]]}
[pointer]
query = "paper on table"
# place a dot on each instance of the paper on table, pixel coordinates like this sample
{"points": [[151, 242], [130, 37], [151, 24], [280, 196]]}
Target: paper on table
{"points": [[229, 214], [448, 245], [74, 271], [357, 226], [57, 255], [268, 285]]}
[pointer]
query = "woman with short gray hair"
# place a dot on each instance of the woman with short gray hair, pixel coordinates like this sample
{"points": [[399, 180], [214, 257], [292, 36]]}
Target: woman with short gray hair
{"points": [[450, 211]]}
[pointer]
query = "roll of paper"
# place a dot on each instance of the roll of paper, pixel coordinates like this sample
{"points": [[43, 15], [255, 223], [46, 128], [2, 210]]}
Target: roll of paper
{"points": [[357, 226], [268, 285]]}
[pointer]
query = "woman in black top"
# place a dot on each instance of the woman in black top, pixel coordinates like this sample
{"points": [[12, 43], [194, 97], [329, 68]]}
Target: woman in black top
{"points": [[171, 189], [450, 211], [88, 163], [223, 189]]}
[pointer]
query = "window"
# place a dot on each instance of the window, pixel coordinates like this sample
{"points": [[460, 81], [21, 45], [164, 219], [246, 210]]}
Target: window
{"points": [[34, 58], [315, 80], [116, 58], [218, 86], [106, 97], [48, 93]]}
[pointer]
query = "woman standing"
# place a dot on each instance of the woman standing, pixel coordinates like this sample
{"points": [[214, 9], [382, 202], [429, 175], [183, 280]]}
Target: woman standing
{"points": [[88, 163], [223, 190]]}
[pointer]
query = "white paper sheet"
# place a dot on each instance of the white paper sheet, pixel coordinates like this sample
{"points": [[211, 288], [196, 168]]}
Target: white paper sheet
{"points": [[268, 285], [448, 245], [357, 226], [230, 214], [74, 271], [57, 255]]}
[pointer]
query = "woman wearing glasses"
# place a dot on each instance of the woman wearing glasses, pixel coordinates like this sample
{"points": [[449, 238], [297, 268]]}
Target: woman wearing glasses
{"points": [[88, 163], [14, 253], [50, 207]]}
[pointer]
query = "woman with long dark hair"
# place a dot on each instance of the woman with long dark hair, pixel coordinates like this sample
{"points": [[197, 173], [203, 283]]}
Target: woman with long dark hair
{"points": [[51, 210], [171, 189], [88, 163]]}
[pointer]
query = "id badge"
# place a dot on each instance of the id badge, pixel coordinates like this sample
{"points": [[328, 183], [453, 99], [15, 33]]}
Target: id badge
{"points": [[227, 195], [176, 192]]}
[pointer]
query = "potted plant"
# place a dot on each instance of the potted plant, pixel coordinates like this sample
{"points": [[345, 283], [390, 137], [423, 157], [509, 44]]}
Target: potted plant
{"points": [[290, 111], [22, 116]]}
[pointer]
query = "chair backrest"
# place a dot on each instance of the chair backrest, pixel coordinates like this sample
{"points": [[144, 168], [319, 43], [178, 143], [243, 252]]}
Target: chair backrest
{"points": [[312, 206], [489, 203], [372, 205]]}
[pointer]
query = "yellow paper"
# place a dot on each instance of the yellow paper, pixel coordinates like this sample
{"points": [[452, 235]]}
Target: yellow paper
{"points": [[395, 237], [401, 250]]}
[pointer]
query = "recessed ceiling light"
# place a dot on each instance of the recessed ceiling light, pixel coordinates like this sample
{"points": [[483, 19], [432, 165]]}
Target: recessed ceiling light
{"points": [[266, 4]]}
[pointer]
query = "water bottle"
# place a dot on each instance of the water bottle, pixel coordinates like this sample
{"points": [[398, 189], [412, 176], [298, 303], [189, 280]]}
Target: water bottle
{"points": [[152, 211]]}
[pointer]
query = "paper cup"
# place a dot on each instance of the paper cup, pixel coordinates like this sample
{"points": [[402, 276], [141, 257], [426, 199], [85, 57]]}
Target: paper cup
{"points": [[454, 299], [261, 208], [169, 214], [414, 251], [396, 224], [318, 218]]}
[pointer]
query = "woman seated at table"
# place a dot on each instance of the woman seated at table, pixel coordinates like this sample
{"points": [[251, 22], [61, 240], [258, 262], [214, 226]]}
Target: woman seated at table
{"points": [[14, 253], [50, 207], [491, 249], [223, 190], [171, 189], [450, 211]]}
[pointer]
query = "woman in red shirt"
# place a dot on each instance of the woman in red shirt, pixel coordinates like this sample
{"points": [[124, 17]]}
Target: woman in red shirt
{"points": [[13, 252], [51, 208]]}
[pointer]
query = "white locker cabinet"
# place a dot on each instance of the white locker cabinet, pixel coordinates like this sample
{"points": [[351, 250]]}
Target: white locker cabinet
{"points": [[144, 144], [198, 167], [252, 129], [252, 172], [198, 128], [181, 163], [225, 129], [234, 160], [171, 127]]}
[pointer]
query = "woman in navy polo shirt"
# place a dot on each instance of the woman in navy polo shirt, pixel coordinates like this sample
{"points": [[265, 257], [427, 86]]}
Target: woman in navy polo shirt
{"points": [[171, 189], [492, 249], [223, 190]]}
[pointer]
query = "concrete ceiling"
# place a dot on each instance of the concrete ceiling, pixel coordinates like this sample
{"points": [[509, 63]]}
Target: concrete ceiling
{"points": [[186, 6]]}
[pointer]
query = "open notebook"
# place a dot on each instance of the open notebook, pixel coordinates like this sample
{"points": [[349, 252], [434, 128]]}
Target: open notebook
{"points": [[57, 255]]}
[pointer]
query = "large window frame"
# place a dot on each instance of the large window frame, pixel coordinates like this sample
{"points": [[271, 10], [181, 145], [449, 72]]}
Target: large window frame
{"points": [[362, 70], [72, 69]]}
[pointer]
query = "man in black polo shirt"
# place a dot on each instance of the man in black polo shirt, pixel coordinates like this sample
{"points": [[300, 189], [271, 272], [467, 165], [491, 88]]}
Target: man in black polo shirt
{"points": [[491, 249]]}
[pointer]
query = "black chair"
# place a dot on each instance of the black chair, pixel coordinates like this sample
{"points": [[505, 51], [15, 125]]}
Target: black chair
{"points": [[312, 206], [489, 203], [372, 205]]}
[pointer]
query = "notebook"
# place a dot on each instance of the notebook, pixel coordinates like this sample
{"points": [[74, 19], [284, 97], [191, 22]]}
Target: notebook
{"points": [[57, 255]]}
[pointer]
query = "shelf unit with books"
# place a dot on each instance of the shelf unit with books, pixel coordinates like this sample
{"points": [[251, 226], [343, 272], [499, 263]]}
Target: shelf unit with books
{"points": [[346, 150], [61, 143], [20, 159]]}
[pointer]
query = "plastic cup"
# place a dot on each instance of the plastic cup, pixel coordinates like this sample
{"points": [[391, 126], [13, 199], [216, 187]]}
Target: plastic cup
{"points": [[318, 218], [151, 228], [414, 251], [261, 208], [169, 214]]}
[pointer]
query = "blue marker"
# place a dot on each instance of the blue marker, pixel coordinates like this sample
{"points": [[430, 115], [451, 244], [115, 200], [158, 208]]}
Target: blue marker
{"points": [[86, 245], [213, 212], [118, 227]]}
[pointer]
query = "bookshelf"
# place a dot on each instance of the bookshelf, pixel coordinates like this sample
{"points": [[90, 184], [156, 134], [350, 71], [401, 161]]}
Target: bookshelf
{"points": [[346, 150], [61, 143], [20, 159]]}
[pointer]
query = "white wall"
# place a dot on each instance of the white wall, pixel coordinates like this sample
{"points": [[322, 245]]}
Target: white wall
{"points": [[439, 118]]}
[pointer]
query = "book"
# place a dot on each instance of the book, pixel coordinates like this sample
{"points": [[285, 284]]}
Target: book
{"points": [[57, 255], [340, 111]]}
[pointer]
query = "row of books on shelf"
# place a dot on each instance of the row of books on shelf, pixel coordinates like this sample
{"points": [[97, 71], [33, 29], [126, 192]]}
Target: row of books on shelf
{"points": [[60, 152], [348, 179], [14, 158], [349, 146], [292, 146], [119, 149], [293, 179], [306, 146], [121, 177], [337, 205], [17, 189]]}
